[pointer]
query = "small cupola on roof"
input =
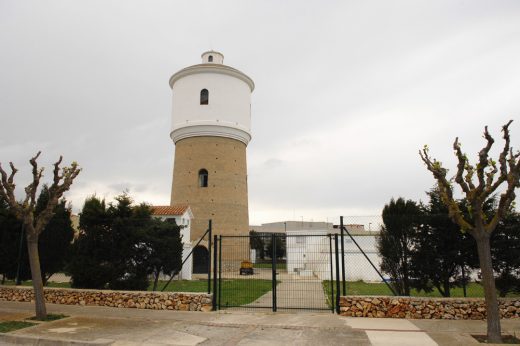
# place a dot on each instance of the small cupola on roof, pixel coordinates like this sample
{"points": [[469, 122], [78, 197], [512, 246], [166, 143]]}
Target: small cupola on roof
{"points": [[212, 57]]}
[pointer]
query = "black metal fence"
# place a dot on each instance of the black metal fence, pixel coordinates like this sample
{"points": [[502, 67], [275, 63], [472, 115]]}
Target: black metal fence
{"points": [[289, 273], [307, 269], [310, 270], [366, 274], [293, 271]]}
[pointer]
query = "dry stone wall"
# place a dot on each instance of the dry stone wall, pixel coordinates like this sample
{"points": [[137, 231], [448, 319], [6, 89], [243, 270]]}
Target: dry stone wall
{"points": [[424, 308], [117, 299]]}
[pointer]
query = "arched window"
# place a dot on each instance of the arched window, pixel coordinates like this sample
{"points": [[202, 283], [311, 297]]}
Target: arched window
{"points": [[204, 97], [210, 58], [203, 178]]}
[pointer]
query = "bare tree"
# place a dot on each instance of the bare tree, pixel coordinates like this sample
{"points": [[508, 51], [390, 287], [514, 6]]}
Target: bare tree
{"points": [[489, 177], [34, 225]]}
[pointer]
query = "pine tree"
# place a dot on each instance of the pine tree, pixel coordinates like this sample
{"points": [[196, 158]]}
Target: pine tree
{"points": [[400, 220]]}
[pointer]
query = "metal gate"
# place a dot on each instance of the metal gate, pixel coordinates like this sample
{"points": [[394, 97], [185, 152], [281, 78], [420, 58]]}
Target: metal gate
{"points": [[276, 272]]}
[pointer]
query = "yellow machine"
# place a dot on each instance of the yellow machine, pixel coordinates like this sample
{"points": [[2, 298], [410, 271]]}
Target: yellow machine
{"points": [[246, 268]]}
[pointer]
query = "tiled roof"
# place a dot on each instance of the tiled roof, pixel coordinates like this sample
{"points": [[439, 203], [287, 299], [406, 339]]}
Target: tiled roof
{"points": [[177, 209]]}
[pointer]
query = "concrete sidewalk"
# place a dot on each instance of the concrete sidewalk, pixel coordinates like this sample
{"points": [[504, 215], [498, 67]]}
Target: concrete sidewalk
{"points": [[110, 326]]}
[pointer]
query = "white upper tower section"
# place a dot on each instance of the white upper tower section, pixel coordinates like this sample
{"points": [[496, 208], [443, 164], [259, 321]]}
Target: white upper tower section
{"points": [[211, 99]]}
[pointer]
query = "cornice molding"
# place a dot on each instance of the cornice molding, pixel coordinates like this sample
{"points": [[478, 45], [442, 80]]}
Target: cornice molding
{"points": [[212, 68], [211, 131]]}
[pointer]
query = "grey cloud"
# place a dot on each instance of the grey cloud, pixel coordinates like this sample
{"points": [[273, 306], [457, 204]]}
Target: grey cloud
{"points": [[346, 93]]}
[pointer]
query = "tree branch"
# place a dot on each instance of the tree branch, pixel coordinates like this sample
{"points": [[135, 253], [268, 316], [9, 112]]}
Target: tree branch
{"points": [[7, 189], [503, 155], [483, 162], [61, 184], [30, 190], [445, 189], [463, 163], [57, 177], [503, 162]]}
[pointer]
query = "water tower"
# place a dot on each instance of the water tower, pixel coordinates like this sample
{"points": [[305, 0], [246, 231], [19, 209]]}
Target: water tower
{"points": [[211, 128]]}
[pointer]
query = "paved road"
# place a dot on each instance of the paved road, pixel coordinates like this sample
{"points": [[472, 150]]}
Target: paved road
{"points": [[111, 326]]}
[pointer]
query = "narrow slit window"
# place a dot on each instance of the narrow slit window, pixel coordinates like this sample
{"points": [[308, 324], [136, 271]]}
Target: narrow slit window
{"points": [[204, 97], [203, 178]]}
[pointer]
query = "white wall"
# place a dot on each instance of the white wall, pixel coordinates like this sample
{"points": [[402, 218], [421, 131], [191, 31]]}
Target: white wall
{"points": [[306, 252], [313, 253], [181, 220], [229, 104], [185, 273]]}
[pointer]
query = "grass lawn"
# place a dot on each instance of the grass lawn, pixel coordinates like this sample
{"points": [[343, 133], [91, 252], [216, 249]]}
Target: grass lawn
{"points": [[234, 292], [473, 289], [182, 286], [9, 326], [243, 291]]}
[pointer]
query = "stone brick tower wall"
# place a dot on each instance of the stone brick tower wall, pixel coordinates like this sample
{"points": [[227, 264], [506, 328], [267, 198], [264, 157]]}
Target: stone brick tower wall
{"points": [[211, 128], [224, 200]]}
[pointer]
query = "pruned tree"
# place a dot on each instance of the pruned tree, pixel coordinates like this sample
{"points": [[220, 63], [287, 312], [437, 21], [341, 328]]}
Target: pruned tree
{"points": [[477, 190], [35, 223], [56, 238], [54, 241]]}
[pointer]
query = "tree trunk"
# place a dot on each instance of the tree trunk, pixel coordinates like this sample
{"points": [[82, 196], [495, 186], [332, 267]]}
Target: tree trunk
{"points": [[490, 293], [463, 272], [156, 280], [406, 274], [446, 285], [34, 261]]}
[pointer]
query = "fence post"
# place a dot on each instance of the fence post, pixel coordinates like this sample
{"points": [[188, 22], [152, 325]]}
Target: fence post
{"points": [[337, 273], [209, 254], [343, 258], [331, 275], [219, 271], [214, 300], [273, 264]]}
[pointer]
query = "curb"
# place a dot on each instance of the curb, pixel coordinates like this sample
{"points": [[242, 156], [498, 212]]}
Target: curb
{"points": [[41, 341]]}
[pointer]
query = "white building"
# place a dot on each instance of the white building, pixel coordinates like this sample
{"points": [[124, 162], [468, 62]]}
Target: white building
{"points": [[284, 226], [314, 255], [309, 248], [183, 216]]}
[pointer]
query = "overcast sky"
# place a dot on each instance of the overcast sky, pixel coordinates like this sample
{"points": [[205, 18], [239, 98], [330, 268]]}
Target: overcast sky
{"points": [[346, 94]]}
